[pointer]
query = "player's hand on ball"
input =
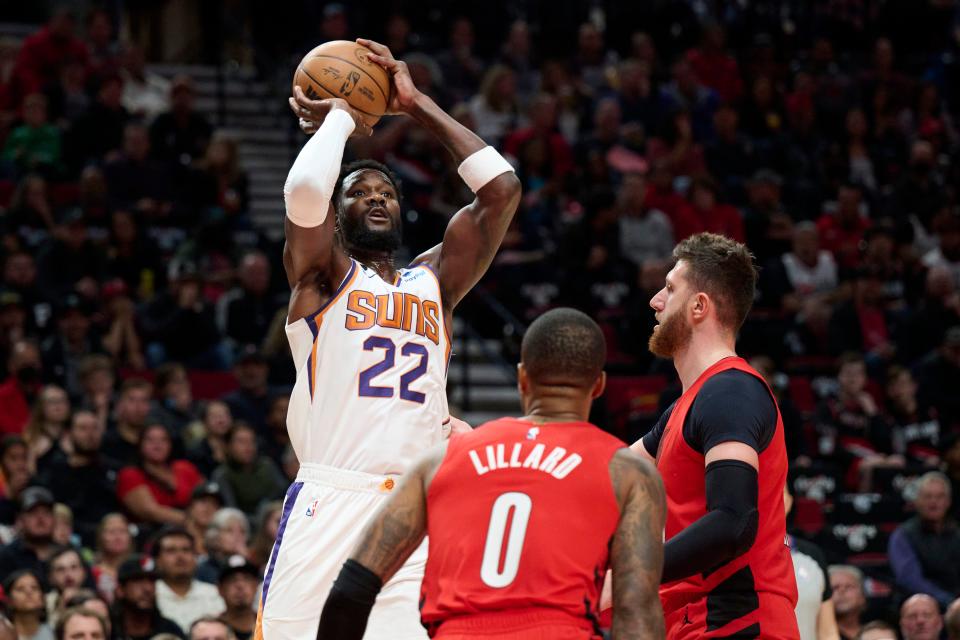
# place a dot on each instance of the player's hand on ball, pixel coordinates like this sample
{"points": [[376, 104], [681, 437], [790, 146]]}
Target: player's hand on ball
{"points": [[404, 92], [312, 112]]}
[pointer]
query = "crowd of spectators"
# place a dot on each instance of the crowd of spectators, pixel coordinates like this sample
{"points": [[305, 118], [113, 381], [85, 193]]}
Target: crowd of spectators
{"points": [[143, 367]]}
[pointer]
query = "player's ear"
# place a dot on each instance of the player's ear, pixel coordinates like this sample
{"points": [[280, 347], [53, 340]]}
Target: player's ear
{"points": [[699, 304], [599, 386], [523, 380]]}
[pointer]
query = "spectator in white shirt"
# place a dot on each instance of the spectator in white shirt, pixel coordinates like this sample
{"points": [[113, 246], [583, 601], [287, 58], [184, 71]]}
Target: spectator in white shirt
{"points": [[180, 597]]}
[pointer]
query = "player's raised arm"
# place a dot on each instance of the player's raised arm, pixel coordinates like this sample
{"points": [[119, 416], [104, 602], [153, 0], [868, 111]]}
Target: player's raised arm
{"points": [[395, 532], [636, 557], [474, 234], [309, 255]]}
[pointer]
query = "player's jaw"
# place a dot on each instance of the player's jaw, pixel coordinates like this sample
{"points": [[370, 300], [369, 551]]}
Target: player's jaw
{"points": [[671, 333], [373, 227]]}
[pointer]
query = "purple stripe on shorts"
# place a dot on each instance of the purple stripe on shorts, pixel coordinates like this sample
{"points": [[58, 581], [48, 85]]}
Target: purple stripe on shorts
{"points": [[292, 494]]}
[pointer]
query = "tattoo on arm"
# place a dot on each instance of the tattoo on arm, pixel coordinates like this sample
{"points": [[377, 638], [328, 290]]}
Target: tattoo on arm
{"points": [[637, 554]]}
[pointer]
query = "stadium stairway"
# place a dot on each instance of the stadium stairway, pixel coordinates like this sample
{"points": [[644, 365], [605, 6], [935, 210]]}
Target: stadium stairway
{"points": [[262, 125], [480, 384]]}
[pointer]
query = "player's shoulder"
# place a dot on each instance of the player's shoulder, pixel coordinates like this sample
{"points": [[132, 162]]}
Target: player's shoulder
{"points": [[629, 470], [734, 386]]}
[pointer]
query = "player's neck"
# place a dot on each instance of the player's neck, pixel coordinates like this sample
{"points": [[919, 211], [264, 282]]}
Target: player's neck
{"points": [[701, 353], [379, 261], [557, 405]]}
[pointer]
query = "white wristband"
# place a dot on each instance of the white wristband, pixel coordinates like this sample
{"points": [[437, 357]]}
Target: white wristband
{"points": [[314, 173], [483, 166]]}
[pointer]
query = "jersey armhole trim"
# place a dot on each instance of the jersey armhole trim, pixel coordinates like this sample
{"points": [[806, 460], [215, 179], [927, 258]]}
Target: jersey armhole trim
{"points": [[314, 320], [443, 315]]}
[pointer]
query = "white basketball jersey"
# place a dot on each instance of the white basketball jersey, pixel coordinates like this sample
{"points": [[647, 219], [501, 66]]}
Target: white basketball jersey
{"points": [[371, 367]]}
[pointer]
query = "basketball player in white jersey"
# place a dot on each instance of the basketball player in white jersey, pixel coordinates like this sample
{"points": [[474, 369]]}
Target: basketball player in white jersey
{"points": [[371, 343]]}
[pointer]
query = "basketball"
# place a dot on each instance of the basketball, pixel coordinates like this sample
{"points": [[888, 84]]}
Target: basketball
{"points": [[341, 69]]}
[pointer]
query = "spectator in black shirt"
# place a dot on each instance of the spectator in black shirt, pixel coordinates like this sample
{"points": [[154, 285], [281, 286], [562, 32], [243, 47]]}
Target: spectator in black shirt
{"points": [[15, 468], [251, 401], [74, 340], [83, 479], [100, 129], [136, 616], [244, 313], [20, 277], [914, 429], [121, 442], [174, 398], [32, 547], [939, 378], [71, 262], [180, 135], [134, 178]]}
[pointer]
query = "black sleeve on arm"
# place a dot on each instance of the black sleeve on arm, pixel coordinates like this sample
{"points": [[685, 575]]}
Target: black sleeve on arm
{"points": [[727, 531], [731, 406], [348, 606], [651, 441]]}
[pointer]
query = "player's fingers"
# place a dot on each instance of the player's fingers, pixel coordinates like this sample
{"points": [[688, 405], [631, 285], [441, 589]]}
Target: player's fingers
{"points": [[387, 63], [376, 47]]}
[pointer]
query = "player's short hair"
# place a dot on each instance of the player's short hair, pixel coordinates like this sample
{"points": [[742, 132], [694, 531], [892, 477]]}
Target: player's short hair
{"points": [[723, 269], [360, 165], [564, 346]]}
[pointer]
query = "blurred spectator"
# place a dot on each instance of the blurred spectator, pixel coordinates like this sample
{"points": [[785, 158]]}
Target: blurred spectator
{"points": [[158, 488], [543, 128], [45, 432], [176, 408], [764, 116], [924, 551], [179, 324], [793, 424], [180, 135], [44, 53], [68, 573], [104, 58], [247, 478], [82, 623], [99, 130], [114, 544], [938, 377], [277, 437], [221, 183], [645, 234], [398, 35], [121, 442], [918, 194], [81, 476], [121, 338], [18, 391], [32, 547], [30, 216], [145, 94], [68, 99], [938, 310], [517, 52], [70, 262], [136, 616], [494, 108], [849, 599], [225, 538], [90, 601], [802, 276], [210, 451], [238, 587], [96, 377], [25, 605], [133, 256], [205, 501], [850, 428], [266, 526], [915, 430], [815, 616], [947, 254], [951, 620], [841, 231], [676, 144], [35, 144], [210, 628], [73, 341], [461, 68], [729, 155], [711, 214], [15, 473], [877, 630], [290, 463], [715, 67], [134, 178], [63, 526], [20, 277], [863, 322], [685, 93], [245, 312], [920, 618], [251, 401], [593, 61], [180, 597]]}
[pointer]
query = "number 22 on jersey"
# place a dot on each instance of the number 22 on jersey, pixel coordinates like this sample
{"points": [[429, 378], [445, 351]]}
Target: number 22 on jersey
{"points": [[508, 525]]}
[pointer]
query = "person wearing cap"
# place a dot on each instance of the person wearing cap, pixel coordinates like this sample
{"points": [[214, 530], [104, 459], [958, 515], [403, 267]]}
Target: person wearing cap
{"points": [[34, 545], [136, 616], [924, 551], [205, 501], [238, 584]]}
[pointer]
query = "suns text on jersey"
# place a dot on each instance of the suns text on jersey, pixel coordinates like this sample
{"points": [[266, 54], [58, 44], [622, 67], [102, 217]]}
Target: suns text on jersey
{"points": [[397, 310], [524, 455]]}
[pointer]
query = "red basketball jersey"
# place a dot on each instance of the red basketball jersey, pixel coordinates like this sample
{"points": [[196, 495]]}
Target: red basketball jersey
{"points": [[520, 518], [753, 586]]}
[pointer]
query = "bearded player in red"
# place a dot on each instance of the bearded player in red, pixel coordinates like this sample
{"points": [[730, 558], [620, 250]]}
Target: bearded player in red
{"points": [[524, 515], [720, 450]]}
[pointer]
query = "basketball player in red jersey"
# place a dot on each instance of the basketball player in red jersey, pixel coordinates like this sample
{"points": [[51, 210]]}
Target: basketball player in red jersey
{"points": [[720, 450], [523, 515]]}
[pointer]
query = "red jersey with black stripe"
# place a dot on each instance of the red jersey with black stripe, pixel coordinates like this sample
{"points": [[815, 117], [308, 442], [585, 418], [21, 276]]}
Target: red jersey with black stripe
{"points": [[755, 594], [520, 517]]}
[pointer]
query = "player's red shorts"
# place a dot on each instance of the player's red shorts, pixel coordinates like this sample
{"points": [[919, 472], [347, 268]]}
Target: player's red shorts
{"points": [[774, 619], [527, 624]]}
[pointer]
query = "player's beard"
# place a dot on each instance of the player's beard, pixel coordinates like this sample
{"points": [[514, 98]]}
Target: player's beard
{"points": [[358, 234], [673, 334]]}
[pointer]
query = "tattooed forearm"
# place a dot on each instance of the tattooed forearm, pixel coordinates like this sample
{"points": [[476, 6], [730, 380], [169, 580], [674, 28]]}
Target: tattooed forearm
{"points": [[637, 553]]}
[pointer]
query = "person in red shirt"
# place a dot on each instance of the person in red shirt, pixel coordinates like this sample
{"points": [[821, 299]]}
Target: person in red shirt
{"points": [[523, 515], [158, 489], [841, 232], [715, 67], [711, 215], [44, 53], [720, 449], [20, 388]]}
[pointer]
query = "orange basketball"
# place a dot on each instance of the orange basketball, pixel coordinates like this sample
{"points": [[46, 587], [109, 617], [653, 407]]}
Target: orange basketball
{"points": [[341, 69]]}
